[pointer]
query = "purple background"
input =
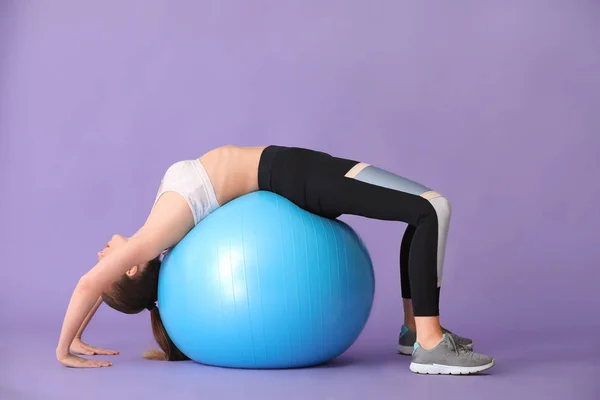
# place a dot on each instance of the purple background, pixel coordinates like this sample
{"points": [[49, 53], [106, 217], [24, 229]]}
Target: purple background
{"points": [[494, 104]]}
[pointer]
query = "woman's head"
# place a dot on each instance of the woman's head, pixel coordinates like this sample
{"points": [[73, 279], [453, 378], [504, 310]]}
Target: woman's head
{"points": [[137, 290]]}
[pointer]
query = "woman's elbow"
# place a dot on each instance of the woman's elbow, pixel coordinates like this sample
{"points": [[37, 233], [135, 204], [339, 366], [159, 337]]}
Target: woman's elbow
{"points": [[87, 284]]}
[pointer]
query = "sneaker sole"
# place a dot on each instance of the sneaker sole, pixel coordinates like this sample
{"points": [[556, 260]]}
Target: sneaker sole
{"points": [[436, 369], [407, 350]]}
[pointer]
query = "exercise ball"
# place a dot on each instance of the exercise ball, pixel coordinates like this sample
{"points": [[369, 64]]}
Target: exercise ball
{"points": [[262, 283]]}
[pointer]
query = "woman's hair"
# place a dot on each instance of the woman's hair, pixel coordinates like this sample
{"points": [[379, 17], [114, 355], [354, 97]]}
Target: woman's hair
{"points": [[135, 294]]}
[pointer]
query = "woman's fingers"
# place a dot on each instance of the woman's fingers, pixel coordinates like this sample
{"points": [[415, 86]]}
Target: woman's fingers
{"points": [[101, 351], [106, 352], [78, 362], [103, 363], [93, 364]]}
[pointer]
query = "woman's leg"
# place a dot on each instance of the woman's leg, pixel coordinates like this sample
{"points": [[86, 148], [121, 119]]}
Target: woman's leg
{"points": [[409, 316], [333, 186], [374, 193], [376, 176], [354, 192]]}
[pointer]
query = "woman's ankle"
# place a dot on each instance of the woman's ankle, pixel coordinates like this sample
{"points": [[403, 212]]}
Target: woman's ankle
{"points": [[429, 331], [429, 342], [409, 317], [410, 325]]}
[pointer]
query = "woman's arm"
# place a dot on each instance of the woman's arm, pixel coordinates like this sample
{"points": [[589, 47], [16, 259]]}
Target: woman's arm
{"points": [[79, 347], [90, 287], [169, 221], [87, 319]]}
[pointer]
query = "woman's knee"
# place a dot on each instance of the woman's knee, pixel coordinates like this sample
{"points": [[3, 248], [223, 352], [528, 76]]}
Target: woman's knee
{"points": [[439, 204]]}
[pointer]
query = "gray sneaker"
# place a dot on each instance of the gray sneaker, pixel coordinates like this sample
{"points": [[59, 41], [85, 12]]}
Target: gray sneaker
{"points": [[449, 358], [407, 339]]}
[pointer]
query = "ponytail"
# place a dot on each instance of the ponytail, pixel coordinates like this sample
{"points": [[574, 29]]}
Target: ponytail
{"points": [[169, 352], [132, 296]]}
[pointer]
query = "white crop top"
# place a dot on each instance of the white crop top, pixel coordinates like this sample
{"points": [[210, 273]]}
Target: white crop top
{"points": [[189, 179]]}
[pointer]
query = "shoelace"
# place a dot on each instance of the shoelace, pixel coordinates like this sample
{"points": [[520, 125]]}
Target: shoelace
{"points": [[458, 348]]}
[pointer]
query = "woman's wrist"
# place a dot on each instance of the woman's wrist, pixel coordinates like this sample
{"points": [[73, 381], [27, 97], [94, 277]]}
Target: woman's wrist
{"points": [[62, 353]]}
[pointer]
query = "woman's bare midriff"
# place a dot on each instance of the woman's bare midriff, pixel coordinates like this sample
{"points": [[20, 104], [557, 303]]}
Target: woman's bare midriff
{"points": [[233, 170]]}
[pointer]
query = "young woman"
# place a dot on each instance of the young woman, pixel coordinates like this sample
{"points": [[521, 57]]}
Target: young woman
{"points": [[126, 276]]}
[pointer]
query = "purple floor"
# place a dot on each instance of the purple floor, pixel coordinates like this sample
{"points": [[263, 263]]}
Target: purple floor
{"points": [[546, 367]]}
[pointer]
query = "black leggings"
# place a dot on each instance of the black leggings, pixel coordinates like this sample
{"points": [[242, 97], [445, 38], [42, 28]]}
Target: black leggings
{"points": [[329, 186]]}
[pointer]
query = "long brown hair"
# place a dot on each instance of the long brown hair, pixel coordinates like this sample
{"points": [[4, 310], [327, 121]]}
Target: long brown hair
{"points": [[132, 296]]}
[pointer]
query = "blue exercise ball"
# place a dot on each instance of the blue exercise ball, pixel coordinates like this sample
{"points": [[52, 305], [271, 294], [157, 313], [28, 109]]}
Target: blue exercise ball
{"points": [[262, 283]]}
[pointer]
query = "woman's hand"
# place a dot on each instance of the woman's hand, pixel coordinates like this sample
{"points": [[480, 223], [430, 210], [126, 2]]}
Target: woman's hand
{"points": [[73, 361], [78, 347]]}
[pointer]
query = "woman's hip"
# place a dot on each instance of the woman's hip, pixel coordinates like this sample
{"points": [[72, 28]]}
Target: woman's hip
{"points": [[299, 174]]}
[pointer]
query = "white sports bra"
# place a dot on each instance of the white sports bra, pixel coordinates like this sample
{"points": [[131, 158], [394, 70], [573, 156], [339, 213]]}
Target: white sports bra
{"points": [[189, 179]]}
